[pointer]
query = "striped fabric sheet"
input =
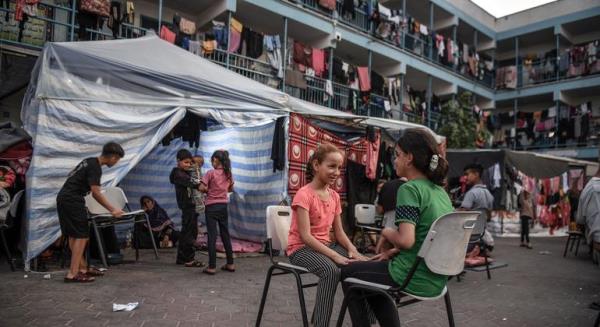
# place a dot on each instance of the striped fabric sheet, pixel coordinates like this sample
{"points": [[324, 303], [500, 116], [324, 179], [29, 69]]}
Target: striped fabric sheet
{"points": [[256, 185]]}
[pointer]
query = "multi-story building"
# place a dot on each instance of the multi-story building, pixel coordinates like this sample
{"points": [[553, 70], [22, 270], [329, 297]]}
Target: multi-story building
{"points": [[533, 75]]}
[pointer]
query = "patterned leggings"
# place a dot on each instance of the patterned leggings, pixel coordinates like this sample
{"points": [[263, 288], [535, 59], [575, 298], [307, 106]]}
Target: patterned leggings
{"points": [[329, 277]]}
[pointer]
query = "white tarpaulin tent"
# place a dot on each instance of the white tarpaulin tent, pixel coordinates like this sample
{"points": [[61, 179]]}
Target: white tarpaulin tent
{"points": [[84, 94]]}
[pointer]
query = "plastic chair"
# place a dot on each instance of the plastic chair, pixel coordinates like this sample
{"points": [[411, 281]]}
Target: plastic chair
{"points": [[279, 219], [574, 236], [443, 251], [477, 239], [11, 215], [365, 221], [99, 217]]}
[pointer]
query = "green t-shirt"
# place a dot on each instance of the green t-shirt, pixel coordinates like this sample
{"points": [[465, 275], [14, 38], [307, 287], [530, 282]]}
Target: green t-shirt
{"points": [[420, 202]]}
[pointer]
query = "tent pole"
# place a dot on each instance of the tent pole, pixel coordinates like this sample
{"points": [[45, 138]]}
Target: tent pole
{"points": [[285, 54], [73, 8], [228, 36], [160, 8]]}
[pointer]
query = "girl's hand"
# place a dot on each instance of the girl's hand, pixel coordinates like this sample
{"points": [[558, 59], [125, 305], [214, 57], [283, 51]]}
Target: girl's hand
{"points": [[385, 255], [354, 255], [341, 260]]}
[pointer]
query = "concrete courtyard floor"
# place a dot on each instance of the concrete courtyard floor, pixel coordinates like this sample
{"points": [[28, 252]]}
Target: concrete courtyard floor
{"points": [[534, 290]]}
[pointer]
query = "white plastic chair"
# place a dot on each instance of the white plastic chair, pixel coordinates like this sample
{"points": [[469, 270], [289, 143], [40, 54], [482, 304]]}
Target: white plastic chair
{"points": [[443, 251], [279, 219], [477, 238], [100, 217], [364, 215]]}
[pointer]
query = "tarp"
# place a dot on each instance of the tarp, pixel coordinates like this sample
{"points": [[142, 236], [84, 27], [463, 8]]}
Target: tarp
{"points": [[530, 163], [134, 91], [256, 185]]}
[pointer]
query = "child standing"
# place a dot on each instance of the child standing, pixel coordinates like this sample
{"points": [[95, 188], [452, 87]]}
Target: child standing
{"points": [[216, 184], [180, 177], [72, 213], [527, 206], [316, 209], [196, 172]]}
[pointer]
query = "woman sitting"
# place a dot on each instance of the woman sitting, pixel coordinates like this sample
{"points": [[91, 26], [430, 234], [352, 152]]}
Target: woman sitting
{"points": [[420, 202], [162, 227]]}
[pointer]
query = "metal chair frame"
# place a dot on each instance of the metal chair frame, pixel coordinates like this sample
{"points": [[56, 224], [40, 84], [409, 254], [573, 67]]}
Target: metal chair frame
{"points": [[362, 289], [283, 268], [99, 217]]}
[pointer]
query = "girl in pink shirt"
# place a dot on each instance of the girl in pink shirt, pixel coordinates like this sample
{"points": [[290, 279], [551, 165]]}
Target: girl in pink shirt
{"points": [[316, 209], [216, 183]]}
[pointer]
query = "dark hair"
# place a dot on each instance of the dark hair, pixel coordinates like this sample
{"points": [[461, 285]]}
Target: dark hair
{"points": [[319, 155], [112, 149], [223, 157], [422, 145], [183, 154], [476, 168], [146, 197]]}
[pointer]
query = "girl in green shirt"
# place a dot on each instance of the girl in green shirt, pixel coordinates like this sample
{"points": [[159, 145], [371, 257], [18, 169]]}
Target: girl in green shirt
{"points": [[420, 202]]}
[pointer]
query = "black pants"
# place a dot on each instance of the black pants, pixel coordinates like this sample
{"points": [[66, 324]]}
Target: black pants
{"points": [[361, 309], [189, 233], [216, 214], [525, 228]]}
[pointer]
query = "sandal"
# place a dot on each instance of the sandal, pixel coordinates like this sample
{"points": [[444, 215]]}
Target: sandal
{"points": [[79, 278], [195, 264], [225, 268], [93, 272], [208, 272]]}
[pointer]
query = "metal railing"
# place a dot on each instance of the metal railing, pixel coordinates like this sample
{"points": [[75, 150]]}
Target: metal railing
{"points": [[257, 70], [360, 19], [54, 23]]}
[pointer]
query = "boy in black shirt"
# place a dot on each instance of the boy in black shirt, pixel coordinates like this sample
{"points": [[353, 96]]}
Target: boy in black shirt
{"points": [[72, 213], [184, 187]]}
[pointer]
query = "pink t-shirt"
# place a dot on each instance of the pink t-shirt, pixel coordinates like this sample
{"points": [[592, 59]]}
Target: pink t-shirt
{"points": [[218, 185], [320, 213]]}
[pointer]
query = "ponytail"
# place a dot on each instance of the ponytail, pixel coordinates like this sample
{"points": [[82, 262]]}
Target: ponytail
{"points": [[427, 157]]}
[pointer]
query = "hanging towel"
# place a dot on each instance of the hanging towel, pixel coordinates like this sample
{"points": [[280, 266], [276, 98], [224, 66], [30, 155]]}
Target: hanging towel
{"points": [[195, 47], [167, 35], [187, 26], [423, 29], [364, 78], [318, 61], [235, 40], [552, 112], [236, 25]]}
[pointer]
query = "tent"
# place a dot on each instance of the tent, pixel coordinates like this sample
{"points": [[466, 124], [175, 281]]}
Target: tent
{"points": [[530, 163], [134, 91]]}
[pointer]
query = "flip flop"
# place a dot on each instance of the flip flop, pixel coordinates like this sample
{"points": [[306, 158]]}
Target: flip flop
{"points": [[195, 264], [225, 268], [79, 278], [208, 272], [93, 272]]}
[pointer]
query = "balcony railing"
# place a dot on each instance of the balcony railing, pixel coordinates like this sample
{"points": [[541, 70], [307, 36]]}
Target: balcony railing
{"points": [[53, 23]]}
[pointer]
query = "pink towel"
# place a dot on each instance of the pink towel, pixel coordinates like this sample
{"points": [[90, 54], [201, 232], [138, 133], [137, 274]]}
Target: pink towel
{"points": [[235, 40], [167, 35], [364, 79], [318, 61]]}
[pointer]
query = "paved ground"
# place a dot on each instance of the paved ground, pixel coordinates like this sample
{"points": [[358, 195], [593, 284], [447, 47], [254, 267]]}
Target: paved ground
{"points": [[535, 290]]}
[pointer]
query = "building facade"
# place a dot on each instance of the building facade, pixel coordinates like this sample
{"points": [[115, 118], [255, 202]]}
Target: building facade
{"points": [[533, 76]]}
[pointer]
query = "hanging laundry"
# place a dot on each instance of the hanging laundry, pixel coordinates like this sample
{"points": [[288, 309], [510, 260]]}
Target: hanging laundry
{"points": [[220, 32], [327, 4], [195, 48], [364, 79], [235, 35], [167, 35], [318, 61], [348, 10], [187, 26], [272, 44]]}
